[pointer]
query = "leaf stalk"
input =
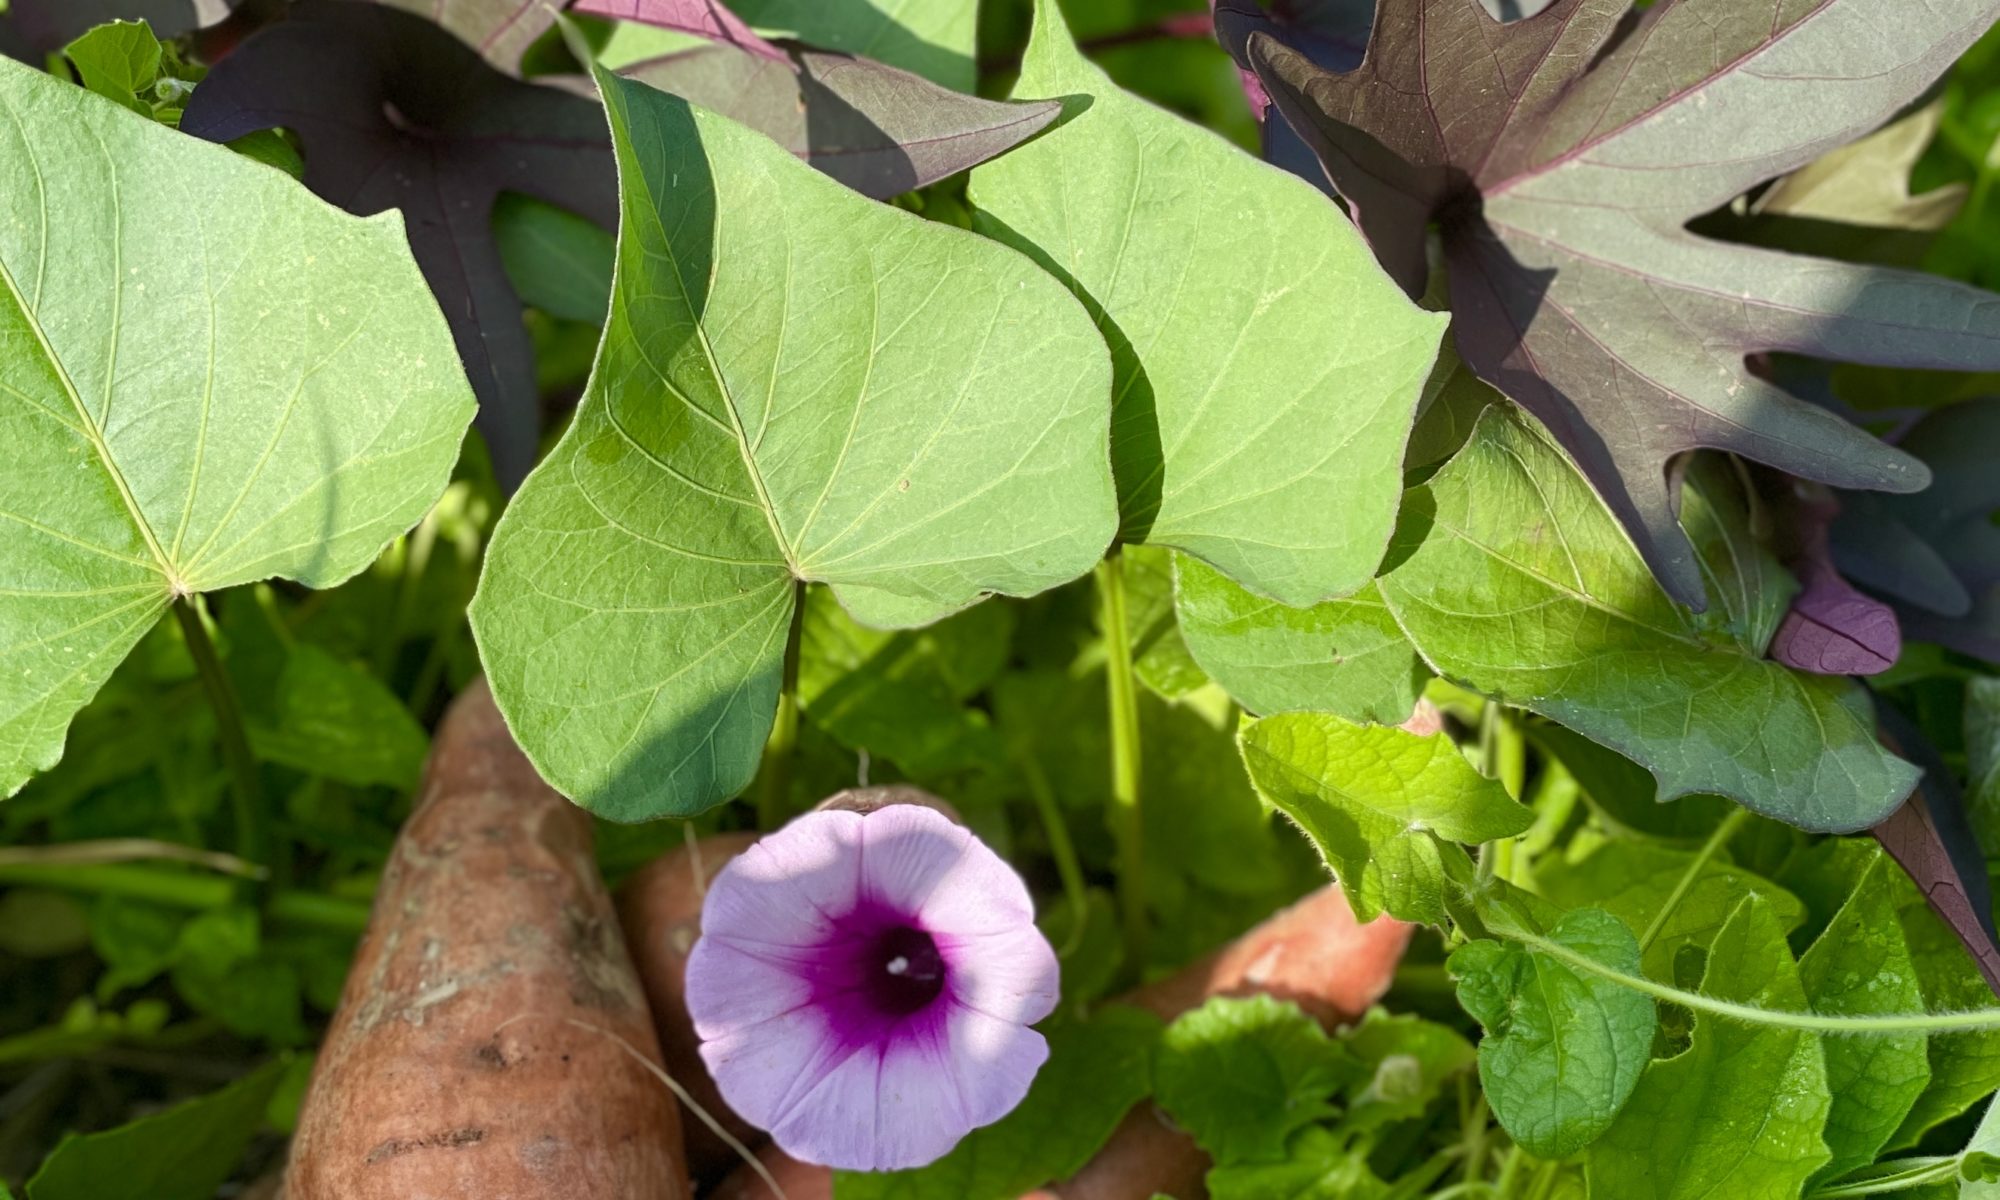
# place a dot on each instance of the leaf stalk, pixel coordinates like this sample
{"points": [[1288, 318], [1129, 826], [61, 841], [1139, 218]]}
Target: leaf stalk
{"points": [[1127, 816], [246, 794]]}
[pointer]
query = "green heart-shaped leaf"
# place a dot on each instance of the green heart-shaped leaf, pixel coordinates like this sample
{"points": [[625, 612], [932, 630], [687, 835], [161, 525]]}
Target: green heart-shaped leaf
{"points": [[795, 383], [207, 377], [1268, 371]]}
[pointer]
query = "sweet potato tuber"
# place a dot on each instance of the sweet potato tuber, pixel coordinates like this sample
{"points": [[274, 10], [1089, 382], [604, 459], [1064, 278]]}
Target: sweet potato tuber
{"points": [[660, 908], [473, 1054], [1314, 953]]}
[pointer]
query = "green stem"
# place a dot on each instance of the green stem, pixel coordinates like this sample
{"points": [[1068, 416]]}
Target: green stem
{"points": [[774, 781], [185, 890], [253, 836], [1503, 756], [1937, 1170], [1127, 817], [1809, 1022], [1724, 830], [1061, 849], [1544, 1181]]}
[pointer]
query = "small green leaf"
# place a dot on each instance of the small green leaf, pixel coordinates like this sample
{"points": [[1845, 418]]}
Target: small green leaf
{"points": [[1515, 580], [1861, 964], [787, 391], [1405, 1062], [1375, 800], [118, 61], [184, 1153], [1740, 1112], [1267, 370], [1346, 657], [1563, 1049], [1979, 1169], [1242, 1075], [1318, 1165], [1097, 1070], [207, 377]]}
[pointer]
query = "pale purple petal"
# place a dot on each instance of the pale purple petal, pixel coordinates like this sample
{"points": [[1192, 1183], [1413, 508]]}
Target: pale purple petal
{"points": [[762, 982], [764, 1070], [993, 1062], [1011, 975], [981, 895], [788, 889], [907, 853], [849, 1089]]}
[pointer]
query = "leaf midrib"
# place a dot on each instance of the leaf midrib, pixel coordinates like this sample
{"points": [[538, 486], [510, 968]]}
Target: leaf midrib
{"points": [[91, 432]]}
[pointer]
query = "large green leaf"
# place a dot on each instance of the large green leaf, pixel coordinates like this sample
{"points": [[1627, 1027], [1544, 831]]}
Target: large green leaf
{"points": [[1268, 371], [207, 377], [1376, 801], [1516, 580], [1341, 656], [1563, 1048], [1861, 965], [1739, 1113], [797, 384]]}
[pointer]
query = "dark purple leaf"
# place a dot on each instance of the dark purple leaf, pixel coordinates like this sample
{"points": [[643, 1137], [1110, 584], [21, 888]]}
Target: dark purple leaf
{"points": [[877, 129], [1560, 157], [1937, 554], [30, 29], [1831, 628], [706, 18], [498, 29], [393, 112], [1930, 838]]}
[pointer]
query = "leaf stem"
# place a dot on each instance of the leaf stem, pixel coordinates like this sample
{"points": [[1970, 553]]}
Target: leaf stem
{"points": [[1127, 818], [1724, 830], [1748, 1014], [774, 781], [1921, 1172], [1061, 848], [253, 837]]}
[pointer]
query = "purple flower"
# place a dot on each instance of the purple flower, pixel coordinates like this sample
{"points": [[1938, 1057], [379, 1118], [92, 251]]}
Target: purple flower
{"points": [[863, 987]]}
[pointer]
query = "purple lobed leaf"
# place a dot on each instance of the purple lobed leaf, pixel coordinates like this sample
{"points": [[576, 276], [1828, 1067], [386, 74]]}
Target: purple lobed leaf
{"points": [[501, 30], [1936, 555], [394, 112], [878, 129], [1831, 628], [705, 18], [1561, 157]]}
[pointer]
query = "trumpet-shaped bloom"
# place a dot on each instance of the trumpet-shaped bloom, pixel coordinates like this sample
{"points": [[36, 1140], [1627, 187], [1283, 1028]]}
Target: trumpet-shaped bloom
{"points": [[864, 985]]}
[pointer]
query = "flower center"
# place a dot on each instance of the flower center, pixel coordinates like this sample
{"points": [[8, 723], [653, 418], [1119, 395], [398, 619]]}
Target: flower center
{"points": [[909, 970]]}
